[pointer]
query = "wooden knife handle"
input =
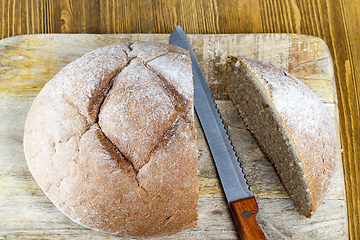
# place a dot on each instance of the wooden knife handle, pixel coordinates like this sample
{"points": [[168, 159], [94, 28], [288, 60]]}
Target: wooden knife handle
{"points": [[244, 212]]}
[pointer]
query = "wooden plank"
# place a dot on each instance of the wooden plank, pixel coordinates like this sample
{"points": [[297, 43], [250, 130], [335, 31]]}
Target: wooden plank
{"points": [[28, 62], [118, 16], [349, 86]]}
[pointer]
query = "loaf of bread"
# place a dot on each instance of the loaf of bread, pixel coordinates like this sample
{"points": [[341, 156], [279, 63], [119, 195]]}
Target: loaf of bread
{"points": [[291, 126], [111, 140]]}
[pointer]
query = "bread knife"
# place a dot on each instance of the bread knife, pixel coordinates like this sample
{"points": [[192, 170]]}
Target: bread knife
{"points": [[241, 199]]}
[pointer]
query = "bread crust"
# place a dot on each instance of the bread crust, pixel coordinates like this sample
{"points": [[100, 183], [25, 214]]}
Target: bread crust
{"points": [[111, 140]]}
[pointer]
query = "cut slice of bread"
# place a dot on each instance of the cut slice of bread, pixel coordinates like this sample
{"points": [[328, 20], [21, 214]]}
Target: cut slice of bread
{"points": [[291, 126]]}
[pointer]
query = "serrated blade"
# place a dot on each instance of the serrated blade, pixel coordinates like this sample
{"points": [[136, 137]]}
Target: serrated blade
{"points": [[231, 176]]}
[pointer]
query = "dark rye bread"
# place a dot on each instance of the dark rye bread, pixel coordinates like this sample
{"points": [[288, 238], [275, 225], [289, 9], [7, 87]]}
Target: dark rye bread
{"points": [[111, 140], [291, 126]]}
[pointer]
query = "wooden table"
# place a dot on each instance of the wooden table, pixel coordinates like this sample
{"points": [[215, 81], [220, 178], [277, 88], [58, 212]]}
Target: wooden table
{"points": [[336, 22]]}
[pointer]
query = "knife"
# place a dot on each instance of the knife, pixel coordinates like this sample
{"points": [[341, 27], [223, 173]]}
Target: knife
{"points": [[241, 199]]}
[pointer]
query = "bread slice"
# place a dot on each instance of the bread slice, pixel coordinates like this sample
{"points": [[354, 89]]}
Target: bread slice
{"points": [[291, 126], [111, 140]]}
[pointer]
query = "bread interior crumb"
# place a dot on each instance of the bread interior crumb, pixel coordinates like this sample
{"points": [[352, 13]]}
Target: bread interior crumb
{"points": [[262, 119]]}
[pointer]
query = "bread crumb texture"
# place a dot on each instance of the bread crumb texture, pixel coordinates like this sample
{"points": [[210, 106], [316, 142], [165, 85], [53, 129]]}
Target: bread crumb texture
{"points": [[111, 140], [291, 126]]}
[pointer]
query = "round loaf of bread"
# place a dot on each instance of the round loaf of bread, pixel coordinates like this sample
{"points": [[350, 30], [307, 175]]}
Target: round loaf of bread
{"points": [[111, 140], [291, 126]]}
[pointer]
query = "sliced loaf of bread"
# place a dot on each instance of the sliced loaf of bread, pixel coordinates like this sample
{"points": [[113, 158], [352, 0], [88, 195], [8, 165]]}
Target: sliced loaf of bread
{"points": [[111, 140]]}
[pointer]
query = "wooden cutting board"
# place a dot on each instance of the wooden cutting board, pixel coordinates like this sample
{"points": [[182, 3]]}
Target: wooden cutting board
{"points": [[28, 62]]}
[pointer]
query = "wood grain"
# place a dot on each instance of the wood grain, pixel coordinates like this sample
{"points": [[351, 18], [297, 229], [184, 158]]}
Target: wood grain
{"points": [[30, 61], [334, 21], [349, 97], [78, 16], [29, 17], [203, 16]]}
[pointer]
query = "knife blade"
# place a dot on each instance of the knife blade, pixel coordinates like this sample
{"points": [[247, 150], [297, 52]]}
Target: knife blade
{"points": [[240, 198]]}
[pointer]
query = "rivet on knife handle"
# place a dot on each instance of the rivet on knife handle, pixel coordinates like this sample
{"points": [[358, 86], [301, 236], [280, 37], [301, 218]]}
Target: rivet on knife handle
{"points": [[244, 212], [240, 198]]}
